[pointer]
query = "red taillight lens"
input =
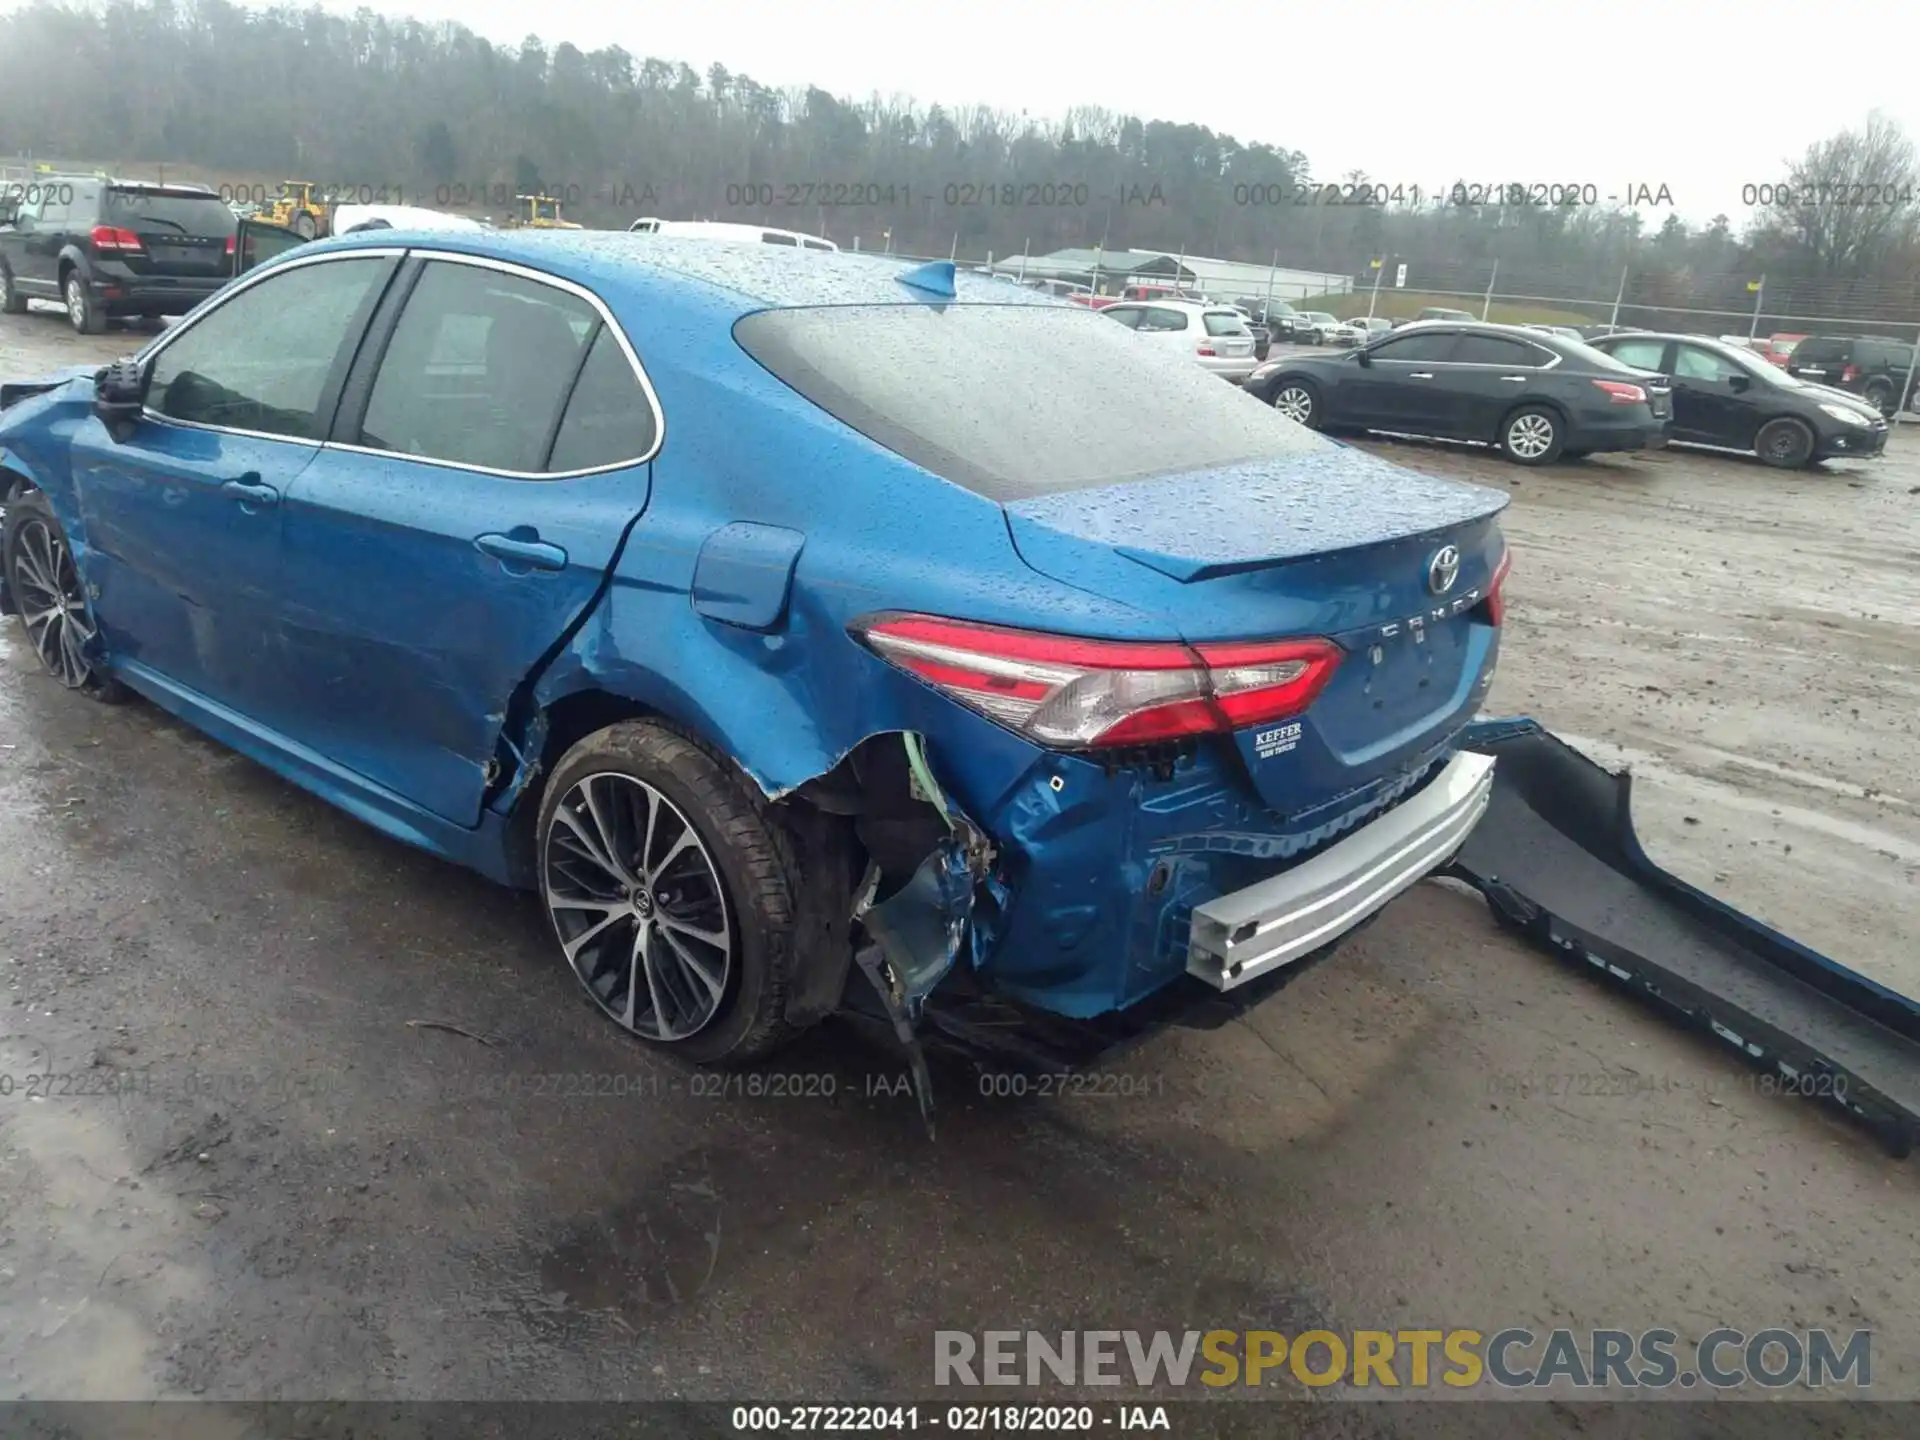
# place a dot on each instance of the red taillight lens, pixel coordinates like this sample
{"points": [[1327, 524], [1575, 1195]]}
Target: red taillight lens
{"points": [[1622, 393], [1496, 601], [1850, 374], [1069, 693], [1206, 350], [112, 237], [230, 246]]}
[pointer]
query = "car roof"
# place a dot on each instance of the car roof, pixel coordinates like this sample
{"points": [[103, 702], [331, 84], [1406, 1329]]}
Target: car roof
{"points": [[754, 277], [1198, 306]]}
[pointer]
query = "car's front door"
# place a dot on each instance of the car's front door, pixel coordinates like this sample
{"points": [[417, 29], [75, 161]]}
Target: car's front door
{"points": [[1715, 401], [256, 242], [1487, 376], [490, 457], [182, 512], [1401, 386]]}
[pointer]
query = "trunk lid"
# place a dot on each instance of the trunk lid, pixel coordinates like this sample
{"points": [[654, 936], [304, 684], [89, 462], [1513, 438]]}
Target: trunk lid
{"points": [[1334, 543], [182, 233]]}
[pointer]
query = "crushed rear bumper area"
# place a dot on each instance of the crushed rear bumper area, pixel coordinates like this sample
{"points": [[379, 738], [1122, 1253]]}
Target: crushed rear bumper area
{"points": [[1238, 937], [1558, 860]]}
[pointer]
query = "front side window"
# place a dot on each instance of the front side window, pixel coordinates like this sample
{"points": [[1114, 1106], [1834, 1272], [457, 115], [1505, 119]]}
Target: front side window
{"points": [[1159, 318], [774, 237], [1127, 315], [1693, 363], [1420, 349], [260, 361], [1641, 354], [478, 368]]}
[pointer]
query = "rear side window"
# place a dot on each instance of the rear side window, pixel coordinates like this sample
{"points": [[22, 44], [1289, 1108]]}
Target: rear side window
{"points": [[930, 383], [477, 369], [1498, 350], [1819, 350], [1219, 322], [817, 245], [1127, 315], [608, 420], [1421, 348], [773, 239], [181, 214], [1888, 353]]}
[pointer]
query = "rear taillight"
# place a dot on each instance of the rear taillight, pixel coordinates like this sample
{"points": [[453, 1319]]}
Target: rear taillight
{"points": [[1496, 601], [1206, 348], [1072, 694], [230, 246], [1621, 393], [113, 238], [1850, 374]]}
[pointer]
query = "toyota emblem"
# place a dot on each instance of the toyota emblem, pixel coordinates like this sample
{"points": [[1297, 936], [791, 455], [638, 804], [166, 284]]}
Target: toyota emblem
{"points": [[1443, 569]]}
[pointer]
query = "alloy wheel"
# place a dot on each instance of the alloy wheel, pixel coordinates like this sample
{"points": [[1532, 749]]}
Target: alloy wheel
{"points": [[638, 905], [53, 606], [1530, 436], [1295, 403], [76, 302]]}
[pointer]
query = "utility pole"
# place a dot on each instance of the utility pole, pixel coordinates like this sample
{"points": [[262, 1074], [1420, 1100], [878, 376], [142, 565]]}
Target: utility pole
{"points": [[1486, 305], [1759, 288], [1614, 324], [1373, 299]]}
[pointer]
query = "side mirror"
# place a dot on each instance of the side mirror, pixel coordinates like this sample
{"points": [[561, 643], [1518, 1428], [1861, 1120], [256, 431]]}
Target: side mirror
{"points": [[119, 394], [1739, 383], [1362, 357]]}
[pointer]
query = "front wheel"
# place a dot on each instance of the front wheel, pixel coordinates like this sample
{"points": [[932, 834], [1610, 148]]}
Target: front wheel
{"points": [[1532, 435], [1299, 402], [671, 891], [1784, 444], [305, 226], [47, 590]]}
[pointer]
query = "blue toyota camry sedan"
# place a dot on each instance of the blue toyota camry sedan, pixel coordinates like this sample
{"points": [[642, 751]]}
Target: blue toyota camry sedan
{"points": [[789, 622]]}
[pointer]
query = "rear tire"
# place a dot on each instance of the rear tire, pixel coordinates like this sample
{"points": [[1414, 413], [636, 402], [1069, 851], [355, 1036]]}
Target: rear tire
{"points": [[85, 317], [1785, 444], [304, 225], [12, 302], [729, 872], [1299, 401], [45, 586], [1879, 394], [1532, 435]]}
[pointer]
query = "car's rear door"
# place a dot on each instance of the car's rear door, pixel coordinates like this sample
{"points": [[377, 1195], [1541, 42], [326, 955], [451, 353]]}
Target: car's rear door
{"points": [[1402, 385], [183, 512], [490, 455], [1486, 376]]}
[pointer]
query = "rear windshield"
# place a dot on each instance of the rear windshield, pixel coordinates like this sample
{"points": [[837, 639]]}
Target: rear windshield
{"points": [[200, 215], [1222, 322], [1013, 401], [1820, 348], [1585, 354]]}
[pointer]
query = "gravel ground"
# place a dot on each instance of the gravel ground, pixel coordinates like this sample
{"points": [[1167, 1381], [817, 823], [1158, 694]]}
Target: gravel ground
{"points": [[299, 1192]]}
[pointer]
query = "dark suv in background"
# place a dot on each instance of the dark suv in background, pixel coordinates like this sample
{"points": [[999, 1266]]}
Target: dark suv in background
{"points": [[114, 248], [1873, 369]]}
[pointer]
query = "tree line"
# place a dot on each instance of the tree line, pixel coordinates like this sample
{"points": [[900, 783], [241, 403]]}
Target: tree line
{"points": [[435, 113]]}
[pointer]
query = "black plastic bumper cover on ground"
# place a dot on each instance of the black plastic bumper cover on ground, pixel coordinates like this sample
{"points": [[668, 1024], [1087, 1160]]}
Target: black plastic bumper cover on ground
{"points": [[1558, 860]]}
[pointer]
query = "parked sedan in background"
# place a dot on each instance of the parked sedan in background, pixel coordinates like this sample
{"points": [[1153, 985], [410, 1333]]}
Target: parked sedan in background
{"points": [[1728, 397], [1539, 398], [1217, 336], [1369, 327]]}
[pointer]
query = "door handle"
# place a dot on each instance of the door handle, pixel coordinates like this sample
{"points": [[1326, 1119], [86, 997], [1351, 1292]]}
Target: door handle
{"points": [[535, 554], [250, 492], [1421, 375], [1516, 379]]}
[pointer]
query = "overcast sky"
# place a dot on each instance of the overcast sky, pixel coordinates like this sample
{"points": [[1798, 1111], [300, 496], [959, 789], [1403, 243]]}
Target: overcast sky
{"points": [[1702, 96]]}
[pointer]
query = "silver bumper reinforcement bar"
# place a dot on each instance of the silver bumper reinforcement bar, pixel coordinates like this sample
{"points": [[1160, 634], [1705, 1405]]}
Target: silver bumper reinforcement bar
{"points": [[1252, 931]]}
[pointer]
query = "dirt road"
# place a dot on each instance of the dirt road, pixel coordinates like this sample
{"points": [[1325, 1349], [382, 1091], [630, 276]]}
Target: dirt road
{"points": [[270, 1172]]}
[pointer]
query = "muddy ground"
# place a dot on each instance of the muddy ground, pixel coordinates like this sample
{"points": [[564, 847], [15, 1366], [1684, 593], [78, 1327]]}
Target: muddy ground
{"points": [[303, 1190]]}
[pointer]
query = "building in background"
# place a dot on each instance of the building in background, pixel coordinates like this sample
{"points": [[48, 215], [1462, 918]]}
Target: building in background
{"points": [[1109, 271]]}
